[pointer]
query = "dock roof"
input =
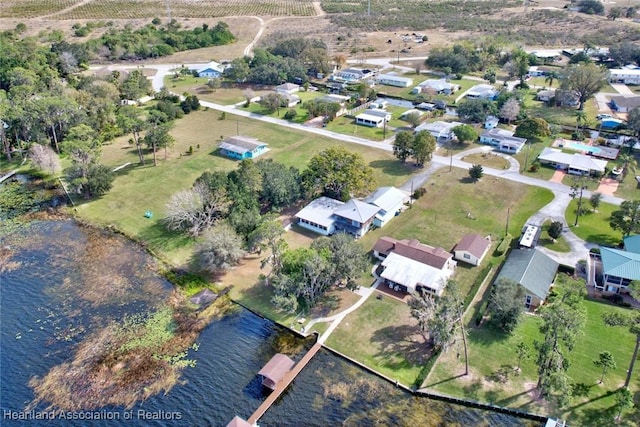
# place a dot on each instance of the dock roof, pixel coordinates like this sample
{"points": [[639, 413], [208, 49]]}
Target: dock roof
{"points": [[275, 370]]}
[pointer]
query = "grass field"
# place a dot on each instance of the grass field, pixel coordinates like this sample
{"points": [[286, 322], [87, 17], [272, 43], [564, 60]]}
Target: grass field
{"points": [[493, 359], [197, 86], [594, 226], [557, 245], [137, 189], [490, 160], [382, 335]]}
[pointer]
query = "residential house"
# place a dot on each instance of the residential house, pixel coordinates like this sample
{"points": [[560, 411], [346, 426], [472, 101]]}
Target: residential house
{"points": [[472, 248], [379, 104], [426, 106], [393, 80], [546, 95], [352, 75], [317, 216], [632, 244], [354, 217], [533, 270], [624, 103], [289, 100], [242, 147], [482, 91], [620, 267], [441, 131], [503, 140], [371, 120], [379, 112], [574, 164], [287, 88], [436, 86], [338, 99], [409, 266], [624, 76], [547, 56], [491, 122], [407, 113], [390, 202], [212, 70], [535, 71]]}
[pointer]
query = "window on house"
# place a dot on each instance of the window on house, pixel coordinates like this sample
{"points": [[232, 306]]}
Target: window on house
{"points": [[466, 256], [527, 301]]}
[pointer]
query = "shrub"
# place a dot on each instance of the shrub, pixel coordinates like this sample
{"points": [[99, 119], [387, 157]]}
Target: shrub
{"points": [[290, 115], [419, 193], [505, 243]]}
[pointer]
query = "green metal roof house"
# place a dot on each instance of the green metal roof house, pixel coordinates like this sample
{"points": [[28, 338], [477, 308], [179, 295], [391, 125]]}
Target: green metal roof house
{"points": [[534, 271], [619, 268]]}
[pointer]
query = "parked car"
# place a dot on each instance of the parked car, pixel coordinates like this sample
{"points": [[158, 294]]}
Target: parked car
{"points": [[603, 116]]}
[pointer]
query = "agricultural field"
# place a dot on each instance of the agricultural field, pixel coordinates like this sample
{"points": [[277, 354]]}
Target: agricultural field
{"points": [[135, 9], [33, 8]]}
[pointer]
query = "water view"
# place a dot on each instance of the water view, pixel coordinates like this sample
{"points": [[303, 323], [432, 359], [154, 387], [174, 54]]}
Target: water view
{"points": [[62, 282]]}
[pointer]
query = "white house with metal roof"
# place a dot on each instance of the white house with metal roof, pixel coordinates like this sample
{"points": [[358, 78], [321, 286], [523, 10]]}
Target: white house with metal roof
{"points": [[390, 202], [317, 216], [441, 131], [371, 120], [503, 140], [437, 86], [482, 91], [625, 76], [393, 80], [574, 164]]}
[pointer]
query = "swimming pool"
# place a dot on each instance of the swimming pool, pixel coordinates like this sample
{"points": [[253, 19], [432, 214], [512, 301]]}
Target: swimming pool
{"points": [[581, 147]]}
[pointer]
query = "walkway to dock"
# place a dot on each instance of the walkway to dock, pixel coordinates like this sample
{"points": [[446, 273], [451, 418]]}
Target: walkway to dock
{"points": [[283, 384]]}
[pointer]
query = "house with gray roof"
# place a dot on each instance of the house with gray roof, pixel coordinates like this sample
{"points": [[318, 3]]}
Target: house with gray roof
{"points": [[482, 91], [533, 270], [410, 266], [441, 131], [242, 147], [354, 217], [620, 267], [390, 202], [624, 103], [574, 164], [436, 86], [503, 140]]}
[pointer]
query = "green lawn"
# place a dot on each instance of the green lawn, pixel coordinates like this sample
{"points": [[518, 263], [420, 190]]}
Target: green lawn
{"points": [[558, 245], [560, 115], [226, 95], [348, 126], [137, 189], [382, 335], [492, 357], [594, 226], [302, 114], [406, 92], [629, 188]]}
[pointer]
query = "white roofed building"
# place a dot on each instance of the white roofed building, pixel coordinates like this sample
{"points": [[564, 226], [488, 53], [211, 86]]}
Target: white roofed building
{"points": [[441, 131], [574, 164], [317, 216], [390, 202], [393, 80]]}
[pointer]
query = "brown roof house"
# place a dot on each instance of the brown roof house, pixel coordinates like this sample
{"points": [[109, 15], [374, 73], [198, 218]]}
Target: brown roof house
{"points": [[471, 249], [275, 370], [408, 265]]}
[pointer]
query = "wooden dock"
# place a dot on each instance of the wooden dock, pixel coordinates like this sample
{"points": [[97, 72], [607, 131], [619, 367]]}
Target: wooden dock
{"points": [[283, 384], [8, 175]]}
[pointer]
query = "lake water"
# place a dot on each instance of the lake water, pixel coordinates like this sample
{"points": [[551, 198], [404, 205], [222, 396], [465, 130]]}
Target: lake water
{"points": [[56, 289]]}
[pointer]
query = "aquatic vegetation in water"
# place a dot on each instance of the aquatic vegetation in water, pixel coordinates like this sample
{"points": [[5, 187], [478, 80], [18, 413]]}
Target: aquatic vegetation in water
{"points": [[125, 362]]}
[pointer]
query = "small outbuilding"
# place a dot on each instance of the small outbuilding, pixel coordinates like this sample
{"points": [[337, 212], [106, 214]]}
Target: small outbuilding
{"points": [[275, 370], [471, 249], [203, 297]]}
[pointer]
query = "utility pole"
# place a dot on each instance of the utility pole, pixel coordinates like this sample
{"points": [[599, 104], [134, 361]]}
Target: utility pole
{"points": [[237, 127], [506, 229], [369, 9]]}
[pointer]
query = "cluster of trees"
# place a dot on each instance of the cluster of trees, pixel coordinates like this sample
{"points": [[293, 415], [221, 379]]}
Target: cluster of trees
{"points": [[240, 197], [289, 60], [303, 275], [420, 146], [150, 41]]}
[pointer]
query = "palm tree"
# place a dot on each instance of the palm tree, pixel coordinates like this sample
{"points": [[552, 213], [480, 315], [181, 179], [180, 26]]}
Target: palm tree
{"points": [[581, 118], [550, 77]]}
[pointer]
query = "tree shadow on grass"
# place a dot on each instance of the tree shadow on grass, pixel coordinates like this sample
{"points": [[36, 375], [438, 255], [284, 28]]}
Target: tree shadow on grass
{"points": [[392, 167], [501, 375], [467, 180], [402, 339], [604, 240], [486, 335], [472, 390], [156, 237]]}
